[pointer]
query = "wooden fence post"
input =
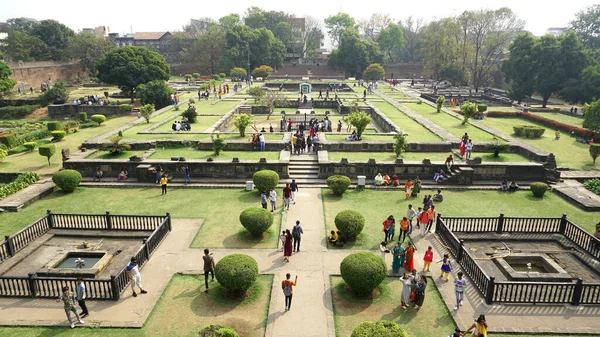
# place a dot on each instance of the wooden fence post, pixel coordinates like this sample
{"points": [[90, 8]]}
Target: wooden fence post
{"points": [[563, 224], [489, 294], [146, 249], [50, 219], [577, 292], [9, 246], [459, 252], [169, 220], [437, 222], [32, 287], [500, 223], [108, 220], [116, 294]]}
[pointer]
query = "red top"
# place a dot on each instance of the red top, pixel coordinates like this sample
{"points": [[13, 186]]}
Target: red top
{"points": [[387, 224], [428, 256], [423, 217], [287, 192]]}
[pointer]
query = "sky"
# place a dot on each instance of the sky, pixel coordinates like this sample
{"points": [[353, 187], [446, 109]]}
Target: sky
{"points": [[152, 15]]}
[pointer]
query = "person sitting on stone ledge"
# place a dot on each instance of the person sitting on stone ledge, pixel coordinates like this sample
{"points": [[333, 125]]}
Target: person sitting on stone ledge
{"points": [[386, 180], [99, 174], [439, 175], [504, 186], [378, 180], [513, 186], [122, 175], [439, 197], [395, 181]]}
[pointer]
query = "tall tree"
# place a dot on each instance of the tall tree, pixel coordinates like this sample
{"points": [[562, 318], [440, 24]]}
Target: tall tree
{"points": [[439, 46], [519, 68], [337, 24], [129, 67], [88, 48], [413, 38], [355, 54], [371, 27], [24, 47], [260, 44], [311, 36], [391, 42], [229, 21], [208, 51], [587, 26], [590, 83], [25, 25], [197, 25], [6, 83], [573, 59], [547, 62], [55, 35]]}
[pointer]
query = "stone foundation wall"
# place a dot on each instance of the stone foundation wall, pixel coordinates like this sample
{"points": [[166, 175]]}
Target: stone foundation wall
{"points": [[72, 110], [32, 74]]}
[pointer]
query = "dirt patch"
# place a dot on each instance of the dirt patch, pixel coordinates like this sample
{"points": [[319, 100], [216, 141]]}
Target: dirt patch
{"points": [[39, 113]]}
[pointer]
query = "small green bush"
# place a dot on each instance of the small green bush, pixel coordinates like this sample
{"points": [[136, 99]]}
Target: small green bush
{"points": [[256, 220], [363, 272], [556, 109], [216, 330], [381, 328], [30, 145], [482, 107], [216, 77], [538, 189], [264, 180], [593, 185], [58, 135], [190, 114], [196, 76], [9, 141], [222, 75], [54, 126], [350, 222], [98, 119], [3, 154], [236, 272], [47, 151], [218, 144], [529, 131], [338, 184], [83, 116], [90, 124], [519, 130], [67, 180], [125, 108]]}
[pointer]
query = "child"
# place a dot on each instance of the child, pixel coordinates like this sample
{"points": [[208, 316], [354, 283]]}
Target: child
{"points": [[459, 289], [69, 303], [428, 258], [446, 267], [282, 239]]}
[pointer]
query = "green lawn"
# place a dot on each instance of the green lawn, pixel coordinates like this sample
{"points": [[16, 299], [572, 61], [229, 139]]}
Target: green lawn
{"points": [[202, 123], [557, 116], [32, 161], [416, 132], [568, 152], [220, 209], [502, 108], [190, 154], [433, 319], [419, 156], [451, 124], [376, 206], [182, 309], [107, 155]]}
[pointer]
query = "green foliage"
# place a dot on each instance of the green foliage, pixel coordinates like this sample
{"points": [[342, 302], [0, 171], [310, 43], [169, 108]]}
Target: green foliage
{"points": [[146, 111], [67, 180], [264, 180], [89, 48], [529, 131], [241, 122], [337, 24], [187, 77], [360, 120], [54, 126], [16, 112], [350, 222], [216, 330], [374, 72], [482, 108], [89, 124], [468, 110], [594, 152], [6, 83], [273, 99], [400, 144], [439, 103], [363, 272], [114, 146], [157, 93], [378, 329], [47, 151], [98, 118], [9, 140], [218, 144], [257, 93], [83, 116], [538, 189], [222, 75], [58, 135], [338, 184], [591, 119], [216, 77], [191, 101], [593, 185], [587, 25], [3, 154], [238, 72], [256, 220], [264, 48], [354, 53], [30, 146], [391, 41], [519, 68], [22, 181], [263, 71], [125, 108], [191, 114], [196, 76], [56, 95], [236, 272], [452, 73], [497, 146]]}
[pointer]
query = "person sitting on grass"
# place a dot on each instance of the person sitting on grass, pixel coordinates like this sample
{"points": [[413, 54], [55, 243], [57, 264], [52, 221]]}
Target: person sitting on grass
{"points": [[99, 174], [439, 197], [341, 241], [504, 186], [122, 175], [513, 186], [557, 135], [353, 136], [333, 237]]}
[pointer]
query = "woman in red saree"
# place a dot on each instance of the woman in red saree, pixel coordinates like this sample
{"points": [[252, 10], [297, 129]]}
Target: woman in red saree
{"points": [[463, 148], [409, 263]]}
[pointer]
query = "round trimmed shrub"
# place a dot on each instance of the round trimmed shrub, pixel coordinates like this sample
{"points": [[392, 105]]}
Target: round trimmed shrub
{"points": [[236, 272], [67, 180], [217, 330], [30, 145], [83, 116], [125, 108], [538, 189], [534, 131], [256, 220], [338, 184], [216, 77], [98, 119], [222, 75], [264, 180], [381, 328], [196, 76], [363, 272], [482, 107], [54, 126], [58, 135], [350, 222]]}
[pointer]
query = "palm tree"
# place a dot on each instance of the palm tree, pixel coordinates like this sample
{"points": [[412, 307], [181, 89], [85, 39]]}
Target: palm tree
{"points": [[115, 147]]}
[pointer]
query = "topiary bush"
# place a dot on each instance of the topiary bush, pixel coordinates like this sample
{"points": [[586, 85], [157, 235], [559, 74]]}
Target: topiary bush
{"points": [[222, 75], [363, 272], [83, 116], [538, 189], [30, 145], [381, 328], [216, 77], [191, 114], [338, 184], [9, 141], [482, 107], [47, 151], [67, 180], [89, 124], [236, 272], [256, 220], [125, 108], [350, 222], [58, 135], [98, 119], [593, 185], [519, 130], [529, 131], [54, 126], [264, 180], [217, 330], [3, 154]]}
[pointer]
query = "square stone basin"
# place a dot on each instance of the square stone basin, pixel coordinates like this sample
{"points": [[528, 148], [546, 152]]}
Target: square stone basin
{"points": [[65, 265], [543, 268], [72, 260]]}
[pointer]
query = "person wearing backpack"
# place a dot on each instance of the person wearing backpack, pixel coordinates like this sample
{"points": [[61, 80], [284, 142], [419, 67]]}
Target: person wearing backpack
{"points": [[297, 235], [288, 291]]}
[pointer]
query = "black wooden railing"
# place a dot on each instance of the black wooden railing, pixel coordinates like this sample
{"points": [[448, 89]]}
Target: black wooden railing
{"points": [[51, 287], [581, 238], [534, 292]]}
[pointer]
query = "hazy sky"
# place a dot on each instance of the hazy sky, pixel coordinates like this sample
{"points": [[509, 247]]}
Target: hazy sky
{"points": [[167, 16]]}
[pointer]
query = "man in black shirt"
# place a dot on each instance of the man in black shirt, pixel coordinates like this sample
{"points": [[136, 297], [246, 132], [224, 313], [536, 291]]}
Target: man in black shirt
{"points": [[294, 188]]}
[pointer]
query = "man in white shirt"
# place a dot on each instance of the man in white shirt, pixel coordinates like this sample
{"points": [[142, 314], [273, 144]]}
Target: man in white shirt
{"points": [[133, 272], [469, 148], [261, 140], [273, 199], [177, 126]]}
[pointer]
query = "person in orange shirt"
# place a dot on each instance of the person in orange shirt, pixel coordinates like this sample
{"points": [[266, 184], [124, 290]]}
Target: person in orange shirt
{"points": [[288, 291], [404, 226], [408, 188], [423, 219], [431, 214]]}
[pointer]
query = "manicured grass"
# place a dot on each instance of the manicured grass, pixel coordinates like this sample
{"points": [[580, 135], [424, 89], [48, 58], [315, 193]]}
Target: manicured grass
{"points": [[350, 311], [202, 123], [32, 161], [416, 132], [181, 311], [378, 205], [570, 120], [108, 155], [419, 156], [220, 209], [451, 124], [189, 154], [567, 151], [502, 108]]}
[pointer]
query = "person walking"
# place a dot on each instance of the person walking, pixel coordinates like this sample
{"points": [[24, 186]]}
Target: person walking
{"points": [[133, 272], [273, 199], [288, 246], [263, 199], [423, 219], [469, 148], [209, 267], [459, 289], [163, 184], [186, 174], [431, 214], [68, 300], [287, 195], [294, 187], [410, 215], [297, 235], [446, 267], [288, 291], [80, 288]]}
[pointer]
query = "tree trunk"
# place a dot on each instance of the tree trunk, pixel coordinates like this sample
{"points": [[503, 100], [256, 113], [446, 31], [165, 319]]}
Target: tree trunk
{"points": [[545, 98], [132, 96]]}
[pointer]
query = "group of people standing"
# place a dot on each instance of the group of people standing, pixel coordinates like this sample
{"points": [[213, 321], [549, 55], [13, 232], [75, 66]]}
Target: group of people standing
{"points": [[465, 147]]}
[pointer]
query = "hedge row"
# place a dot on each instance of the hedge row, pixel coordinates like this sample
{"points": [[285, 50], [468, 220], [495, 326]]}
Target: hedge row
{"points": [[529, 131], [22, 181], [15, 112]]}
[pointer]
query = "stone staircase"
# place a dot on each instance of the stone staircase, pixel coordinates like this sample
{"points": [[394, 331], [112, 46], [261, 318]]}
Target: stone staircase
{"points": [[304, 168]]}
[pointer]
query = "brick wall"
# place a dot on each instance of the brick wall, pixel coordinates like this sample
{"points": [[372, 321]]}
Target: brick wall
{"points": [[32, 74]]}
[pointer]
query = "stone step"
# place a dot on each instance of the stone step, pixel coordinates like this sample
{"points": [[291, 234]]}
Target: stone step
{"points": [[304, 176], [304, 172], [300, 165]]}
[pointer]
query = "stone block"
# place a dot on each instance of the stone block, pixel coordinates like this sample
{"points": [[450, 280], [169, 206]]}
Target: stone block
{"points": [[426, 161], [474, 161]]}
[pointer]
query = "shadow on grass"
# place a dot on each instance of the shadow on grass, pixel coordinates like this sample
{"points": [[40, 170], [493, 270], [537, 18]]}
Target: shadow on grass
{"points": [[218, 301], [232, 241], [350, 303]]}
